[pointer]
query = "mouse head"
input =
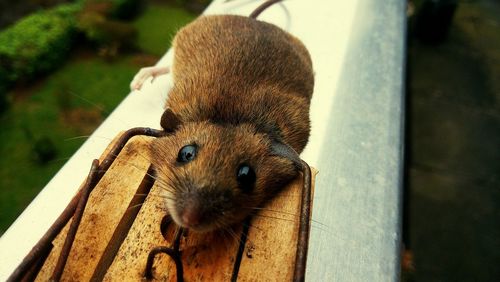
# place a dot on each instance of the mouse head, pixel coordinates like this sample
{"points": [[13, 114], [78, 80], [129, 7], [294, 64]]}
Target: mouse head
{"points": [[213, 176]]}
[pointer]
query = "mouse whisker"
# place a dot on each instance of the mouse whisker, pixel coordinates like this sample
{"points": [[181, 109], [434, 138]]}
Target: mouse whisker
{"points": [[290, 220], [168, 191], [154, 195], [134, 166], [233, 234], [169, 195], [236, 236], [110, 139], [166, 186], [319, 222], [285, 212], [271, 210], [134, 206], [160, 177], [259, 211], [174, 181], [76, 138], [161, 208], [144, 157], [97, 106], [252, 226], [182, 186], [295, 196], [173, 178], [323, 229], [154, 177], [291, 196], [88, 136], [54, 161], [274, 217], [222, 232]]}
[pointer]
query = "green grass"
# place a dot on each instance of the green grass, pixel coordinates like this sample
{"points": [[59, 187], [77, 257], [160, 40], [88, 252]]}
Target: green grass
{"points": [[86, 85], [158, 26], [40, 115]]}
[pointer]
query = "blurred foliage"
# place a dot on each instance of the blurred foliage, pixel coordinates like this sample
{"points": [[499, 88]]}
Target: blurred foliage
{"points": [[4, 103], [117, 9], [156, 41], [45, 3], [69, 103], [44, 150], [105, 33], [126, 9], [37, 43], [196, 6]]}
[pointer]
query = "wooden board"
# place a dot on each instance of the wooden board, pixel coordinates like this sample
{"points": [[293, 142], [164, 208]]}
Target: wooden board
{"points": [[269, 251], [105, 207]]}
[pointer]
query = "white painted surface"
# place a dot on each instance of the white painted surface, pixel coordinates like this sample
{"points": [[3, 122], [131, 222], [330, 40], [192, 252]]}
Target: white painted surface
{"points": [[355, 140]]}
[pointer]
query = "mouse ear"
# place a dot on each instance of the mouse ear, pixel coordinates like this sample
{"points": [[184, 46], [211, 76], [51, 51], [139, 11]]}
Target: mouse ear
{"points": [[169, 121], [283, 150]]}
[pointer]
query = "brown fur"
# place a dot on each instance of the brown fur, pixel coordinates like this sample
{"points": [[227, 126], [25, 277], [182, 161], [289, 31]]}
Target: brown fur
{"points": [[240, 85]]}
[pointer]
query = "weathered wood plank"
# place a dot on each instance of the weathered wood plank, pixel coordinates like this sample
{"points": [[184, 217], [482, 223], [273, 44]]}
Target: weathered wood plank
{"points": [[104, 209], [272, 240], [144, 235]]}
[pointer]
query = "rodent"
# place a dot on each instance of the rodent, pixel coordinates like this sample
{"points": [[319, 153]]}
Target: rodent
{"points": [[237, 117]]}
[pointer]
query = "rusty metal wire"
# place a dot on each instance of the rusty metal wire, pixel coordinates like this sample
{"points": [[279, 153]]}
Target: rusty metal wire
{"points": [[173, 252], [304, 226]]}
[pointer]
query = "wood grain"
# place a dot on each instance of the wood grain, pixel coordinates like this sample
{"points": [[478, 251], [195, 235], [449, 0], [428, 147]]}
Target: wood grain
{"points": [[272, 240], [104, 209]]}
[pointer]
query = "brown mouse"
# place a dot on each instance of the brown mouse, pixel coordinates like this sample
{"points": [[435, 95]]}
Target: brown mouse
{"points": [[237, 117]]}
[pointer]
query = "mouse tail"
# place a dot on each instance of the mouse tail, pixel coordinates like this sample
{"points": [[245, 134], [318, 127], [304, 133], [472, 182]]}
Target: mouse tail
{"points": [[262, 7]]}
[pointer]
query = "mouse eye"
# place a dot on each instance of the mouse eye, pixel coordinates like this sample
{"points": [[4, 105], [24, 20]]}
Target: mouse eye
{"points": [[187, 154], [245, 177]]}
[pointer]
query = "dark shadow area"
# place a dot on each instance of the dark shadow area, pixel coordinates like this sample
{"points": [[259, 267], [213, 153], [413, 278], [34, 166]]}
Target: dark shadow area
{"points": [[454, 148]]}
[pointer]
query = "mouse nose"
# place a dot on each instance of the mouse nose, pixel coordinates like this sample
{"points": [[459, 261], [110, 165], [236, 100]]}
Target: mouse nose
{"points": [[191, 216]]}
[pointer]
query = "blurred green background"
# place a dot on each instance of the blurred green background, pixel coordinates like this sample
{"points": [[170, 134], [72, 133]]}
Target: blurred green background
{"points": [[64, 66]]}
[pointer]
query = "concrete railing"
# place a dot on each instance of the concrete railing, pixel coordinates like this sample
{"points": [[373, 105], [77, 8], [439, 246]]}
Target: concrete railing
{"points": [[356, 143]]}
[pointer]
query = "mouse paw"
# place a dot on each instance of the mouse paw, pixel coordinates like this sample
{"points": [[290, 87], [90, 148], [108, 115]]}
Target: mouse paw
{"points": [[145, 73]]}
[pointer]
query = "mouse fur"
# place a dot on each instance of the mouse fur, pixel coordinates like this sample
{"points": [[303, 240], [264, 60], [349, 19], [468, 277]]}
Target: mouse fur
{"points": [[241, 95]]}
